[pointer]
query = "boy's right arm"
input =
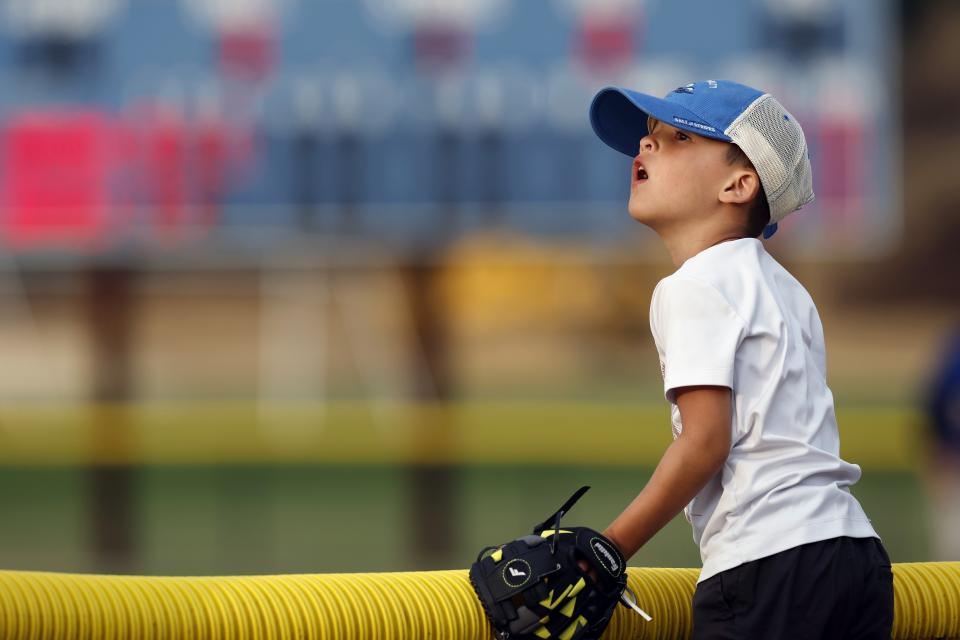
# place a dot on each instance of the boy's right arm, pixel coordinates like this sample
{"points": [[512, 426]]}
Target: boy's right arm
{"points": [[685, 468]]}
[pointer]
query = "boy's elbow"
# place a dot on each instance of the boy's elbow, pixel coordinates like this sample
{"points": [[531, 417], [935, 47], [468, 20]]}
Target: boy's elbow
{"points": [[718, 457], [719, 446], [714, 458]]}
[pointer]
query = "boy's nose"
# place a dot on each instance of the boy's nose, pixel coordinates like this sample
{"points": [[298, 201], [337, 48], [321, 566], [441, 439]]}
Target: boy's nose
{"points": [[647, 143]]}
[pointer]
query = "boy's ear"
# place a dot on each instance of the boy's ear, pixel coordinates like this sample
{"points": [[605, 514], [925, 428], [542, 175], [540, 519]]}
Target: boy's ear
{"points": [[741, 187]]}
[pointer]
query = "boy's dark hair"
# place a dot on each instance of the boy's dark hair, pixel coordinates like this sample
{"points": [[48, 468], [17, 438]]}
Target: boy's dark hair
{"points": [[758, 216]]}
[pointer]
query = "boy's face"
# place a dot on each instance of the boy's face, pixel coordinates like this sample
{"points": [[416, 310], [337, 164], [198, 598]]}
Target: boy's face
{"points": [[676, 175]]}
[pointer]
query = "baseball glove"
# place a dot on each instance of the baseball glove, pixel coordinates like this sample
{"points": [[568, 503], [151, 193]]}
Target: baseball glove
{"points": [[534, 587]]}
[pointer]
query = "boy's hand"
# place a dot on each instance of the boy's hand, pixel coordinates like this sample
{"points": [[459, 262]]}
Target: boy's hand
{"points": [[586, 568]]}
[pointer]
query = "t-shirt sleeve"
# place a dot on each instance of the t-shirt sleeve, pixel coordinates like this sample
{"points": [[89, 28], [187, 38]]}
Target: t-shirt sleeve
{"points": [[697, 334]]}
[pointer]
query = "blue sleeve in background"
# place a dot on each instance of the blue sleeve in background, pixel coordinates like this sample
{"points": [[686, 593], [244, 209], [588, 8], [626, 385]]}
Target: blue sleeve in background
{"points": [[944, 396]]}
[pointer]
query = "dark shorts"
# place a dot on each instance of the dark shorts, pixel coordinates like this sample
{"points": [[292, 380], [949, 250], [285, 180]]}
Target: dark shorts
{"points": [[837, 588]]}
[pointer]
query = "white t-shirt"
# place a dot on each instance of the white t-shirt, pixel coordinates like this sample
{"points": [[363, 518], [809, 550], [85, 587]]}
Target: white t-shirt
{"points": [[731, 316]]}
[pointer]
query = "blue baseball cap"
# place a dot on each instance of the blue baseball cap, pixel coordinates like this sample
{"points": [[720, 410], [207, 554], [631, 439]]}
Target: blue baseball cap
{"points": [[722, 110]]}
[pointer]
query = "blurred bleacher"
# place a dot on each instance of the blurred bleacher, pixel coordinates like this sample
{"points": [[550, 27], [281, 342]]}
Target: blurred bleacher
{"points": [[158, 124]]}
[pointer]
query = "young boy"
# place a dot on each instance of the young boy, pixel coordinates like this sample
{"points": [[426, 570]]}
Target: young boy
{"points": [[787, 551]]}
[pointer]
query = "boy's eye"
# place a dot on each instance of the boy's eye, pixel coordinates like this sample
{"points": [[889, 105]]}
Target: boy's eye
{"points": [[682, 136]]}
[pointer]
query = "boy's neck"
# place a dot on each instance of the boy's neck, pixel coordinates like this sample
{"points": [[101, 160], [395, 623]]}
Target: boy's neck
{"points": [[683, 241]]}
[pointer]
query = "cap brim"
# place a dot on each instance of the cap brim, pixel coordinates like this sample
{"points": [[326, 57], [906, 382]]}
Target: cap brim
{"points": [[619, 118]]}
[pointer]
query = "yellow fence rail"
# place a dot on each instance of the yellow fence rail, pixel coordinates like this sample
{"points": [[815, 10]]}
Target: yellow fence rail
{"points": [[438, 604]]}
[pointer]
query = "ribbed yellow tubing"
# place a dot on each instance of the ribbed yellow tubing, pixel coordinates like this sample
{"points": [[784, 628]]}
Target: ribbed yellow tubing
{"points": [[437, 604]]}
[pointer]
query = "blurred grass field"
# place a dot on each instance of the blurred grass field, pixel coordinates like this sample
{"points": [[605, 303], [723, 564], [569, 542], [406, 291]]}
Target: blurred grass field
{"points": [[252, 519], [244, 488]]}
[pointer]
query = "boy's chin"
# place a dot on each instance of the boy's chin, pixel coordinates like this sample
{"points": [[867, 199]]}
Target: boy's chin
{"points": [[640, 214]]}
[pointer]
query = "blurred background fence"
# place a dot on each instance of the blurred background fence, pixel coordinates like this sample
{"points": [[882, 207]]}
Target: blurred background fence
{"points": [[306, 285]]}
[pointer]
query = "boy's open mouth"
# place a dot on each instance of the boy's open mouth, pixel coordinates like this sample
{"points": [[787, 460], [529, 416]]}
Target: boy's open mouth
{"points": [[639, 172]]}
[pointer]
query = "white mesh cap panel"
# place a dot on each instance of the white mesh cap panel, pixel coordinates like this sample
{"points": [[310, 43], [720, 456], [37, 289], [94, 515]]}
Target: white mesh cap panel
{"points": [[773, 140]]}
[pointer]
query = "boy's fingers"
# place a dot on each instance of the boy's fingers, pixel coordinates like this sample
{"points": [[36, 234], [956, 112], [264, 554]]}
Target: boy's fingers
{"points": [[586, 568]]}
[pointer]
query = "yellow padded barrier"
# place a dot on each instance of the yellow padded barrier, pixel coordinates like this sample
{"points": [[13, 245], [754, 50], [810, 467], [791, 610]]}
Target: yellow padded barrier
{"points": [[438, 604]]}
